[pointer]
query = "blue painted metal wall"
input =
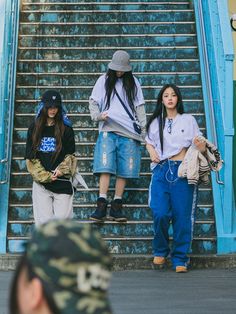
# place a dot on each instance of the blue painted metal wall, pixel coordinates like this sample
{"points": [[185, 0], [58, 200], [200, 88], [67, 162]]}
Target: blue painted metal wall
{"points": [[9, 16], [220, 55]]}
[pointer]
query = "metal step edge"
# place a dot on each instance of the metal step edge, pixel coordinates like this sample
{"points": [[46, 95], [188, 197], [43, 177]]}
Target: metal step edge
{"points": [[104, 35], [77, 143], [107, 23], [107, 48], [109, 11], [94, 205], [86, 100], [142, 174], [99, 73], [103, 60], [75, 129], [89, 174], [79, 158], [91, 86], [213, 238], [83, 114], [95, 189], [102, 3], [131, 222]]}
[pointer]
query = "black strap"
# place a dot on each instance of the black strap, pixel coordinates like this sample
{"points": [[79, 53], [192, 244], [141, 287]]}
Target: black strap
{"points": [[126, 109]]}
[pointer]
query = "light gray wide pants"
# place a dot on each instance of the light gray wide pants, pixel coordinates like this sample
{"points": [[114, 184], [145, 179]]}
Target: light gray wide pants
{"points": [[48, 205]]}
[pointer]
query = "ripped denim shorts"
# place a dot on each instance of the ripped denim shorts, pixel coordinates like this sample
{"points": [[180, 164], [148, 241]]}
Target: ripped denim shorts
{"points": [[118, 155]]}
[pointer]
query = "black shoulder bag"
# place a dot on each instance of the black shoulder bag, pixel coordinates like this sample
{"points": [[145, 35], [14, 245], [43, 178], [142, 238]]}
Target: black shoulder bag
{"points": [[136, 126]]}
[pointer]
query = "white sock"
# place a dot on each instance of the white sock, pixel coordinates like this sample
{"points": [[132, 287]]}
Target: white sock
{"points": [[116, 197], [103, 195]]}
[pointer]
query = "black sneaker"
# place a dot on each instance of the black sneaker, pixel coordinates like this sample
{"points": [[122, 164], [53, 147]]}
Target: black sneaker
{"points": [[116, 211], [100, 213]]}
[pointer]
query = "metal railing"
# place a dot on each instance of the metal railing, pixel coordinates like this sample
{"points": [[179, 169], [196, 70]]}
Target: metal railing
{"points": [[8, 75], [216, 59], [8, 58], [208, 86]]}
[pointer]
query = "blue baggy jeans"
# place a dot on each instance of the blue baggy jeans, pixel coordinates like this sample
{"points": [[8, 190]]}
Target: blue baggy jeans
{"points": [[172, 199]]}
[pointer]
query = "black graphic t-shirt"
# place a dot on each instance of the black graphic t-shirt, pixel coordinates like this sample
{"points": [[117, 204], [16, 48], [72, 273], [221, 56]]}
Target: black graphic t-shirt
{"points": [[46, 152]]}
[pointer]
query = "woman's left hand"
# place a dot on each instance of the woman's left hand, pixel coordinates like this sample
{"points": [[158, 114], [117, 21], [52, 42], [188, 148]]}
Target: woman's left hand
{"points": [[56, 174], [200, 144]]}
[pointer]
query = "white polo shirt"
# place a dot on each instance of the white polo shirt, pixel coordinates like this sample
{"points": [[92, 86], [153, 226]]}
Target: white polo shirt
{"points": [[181, 134], [116, 112]]}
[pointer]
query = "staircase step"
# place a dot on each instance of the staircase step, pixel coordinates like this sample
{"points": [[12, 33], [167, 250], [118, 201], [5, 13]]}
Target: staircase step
{"points": [[117, 41], [133, 195], [111, 229], [115, 16], [137, 262], [77, 53], [83, 94], [68, 81], [134, 212], [160, 65], [105, 6], [125, 246], [66, 29], [29, 106]]}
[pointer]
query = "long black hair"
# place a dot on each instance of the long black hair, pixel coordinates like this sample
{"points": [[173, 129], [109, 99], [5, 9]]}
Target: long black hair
{"points": [[128, 84], [160, 110], [40, 124], [13, 300]]}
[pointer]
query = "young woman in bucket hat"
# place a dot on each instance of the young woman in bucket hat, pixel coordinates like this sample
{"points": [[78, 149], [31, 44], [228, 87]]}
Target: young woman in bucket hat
{"points": [[50, 159], [117, 103]]}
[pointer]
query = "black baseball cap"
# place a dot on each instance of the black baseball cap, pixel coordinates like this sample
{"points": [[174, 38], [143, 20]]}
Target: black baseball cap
{"points": [[51, 98]]}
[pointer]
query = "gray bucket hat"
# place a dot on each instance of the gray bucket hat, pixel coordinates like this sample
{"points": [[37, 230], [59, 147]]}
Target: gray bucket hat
{"points": [[120, 61]]}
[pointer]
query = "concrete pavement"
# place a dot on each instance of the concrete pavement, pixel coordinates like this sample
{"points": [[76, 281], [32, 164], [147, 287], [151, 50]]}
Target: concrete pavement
{"points": [[163, 291]]}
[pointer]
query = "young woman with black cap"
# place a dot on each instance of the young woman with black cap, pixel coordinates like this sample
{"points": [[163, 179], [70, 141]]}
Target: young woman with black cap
{"points": [[117, 103], [50, 159]]}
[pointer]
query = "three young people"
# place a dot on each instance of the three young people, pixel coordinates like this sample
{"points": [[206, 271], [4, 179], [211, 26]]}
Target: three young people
{"points": [[117, 104]]}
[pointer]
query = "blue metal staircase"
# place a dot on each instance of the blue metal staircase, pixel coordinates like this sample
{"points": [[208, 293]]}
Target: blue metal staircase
{"points": [[67, 45]]}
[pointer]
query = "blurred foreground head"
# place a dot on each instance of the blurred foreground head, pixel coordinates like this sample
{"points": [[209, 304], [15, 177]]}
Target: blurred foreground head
{"points": [[66, 269]]}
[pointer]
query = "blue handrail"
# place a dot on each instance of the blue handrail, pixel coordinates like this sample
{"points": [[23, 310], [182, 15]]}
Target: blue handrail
{"points": [[8, 57], [216, 59]]}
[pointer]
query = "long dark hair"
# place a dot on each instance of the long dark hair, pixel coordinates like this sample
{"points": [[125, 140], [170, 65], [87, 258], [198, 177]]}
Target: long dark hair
{"points": [[13, 301], [160, 110], [40, 124], [128, 84]]}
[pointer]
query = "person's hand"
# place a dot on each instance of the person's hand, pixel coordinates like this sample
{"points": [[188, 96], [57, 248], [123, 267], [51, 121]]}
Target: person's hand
{"points": [[56, 174], [153, 154], [104, 115], [200, 144]]}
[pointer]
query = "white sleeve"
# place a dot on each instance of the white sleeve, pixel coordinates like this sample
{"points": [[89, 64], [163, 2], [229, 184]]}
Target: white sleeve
{"points": [[139, 99], [151, 136], [98, 92], [141, 115]]}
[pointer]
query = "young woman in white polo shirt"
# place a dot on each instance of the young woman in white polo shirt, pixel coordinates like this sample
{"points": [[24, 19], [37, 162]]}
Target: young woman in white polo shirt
{"points": [[117, 103], [169, 134]]}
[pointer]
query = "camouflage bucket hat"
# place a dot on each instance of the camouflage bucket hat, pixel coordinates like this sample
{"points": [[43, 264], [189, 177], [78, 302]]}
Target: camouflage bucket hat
{"points": [[73, 262]]}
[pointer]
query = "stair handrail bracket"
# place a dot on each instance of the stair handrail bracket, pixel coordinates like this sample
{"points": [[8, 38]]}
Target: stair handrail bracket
{"points": [[216, 61], [9, 14]]}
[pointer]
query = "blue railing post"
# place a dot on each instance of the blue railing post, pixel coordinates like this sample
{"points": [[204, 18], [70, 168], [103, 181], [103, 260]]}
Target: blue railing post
{"points": [[9, 14], [216, 60]]}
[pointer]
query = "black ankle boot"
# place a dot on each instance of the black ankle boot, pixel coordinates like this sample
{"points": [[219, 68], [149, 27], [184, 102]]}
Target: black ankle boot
{"points": [[100, 213], [116, 211]]}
